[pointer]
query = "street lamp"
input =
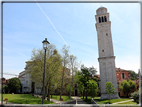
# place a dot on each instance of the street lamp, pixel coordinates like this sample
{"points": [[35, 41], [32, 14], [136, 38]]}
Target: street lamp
{"points": [[45, 44]]}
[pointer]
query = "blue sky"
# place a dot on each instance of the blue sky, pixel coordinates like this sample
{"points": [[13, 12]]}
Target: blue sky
{"points": [[26, 25]]}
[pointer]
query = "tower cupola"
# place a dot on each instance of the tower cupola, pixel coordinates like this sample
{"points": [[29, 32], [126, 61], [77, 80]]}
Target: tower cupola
{"points": [[101, 10], [102, 15]]}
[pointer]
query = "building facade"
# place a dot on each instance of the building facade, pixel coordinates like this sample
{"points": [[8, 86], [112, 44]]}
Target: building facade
{"points": [[121, 75], [106, 55]]}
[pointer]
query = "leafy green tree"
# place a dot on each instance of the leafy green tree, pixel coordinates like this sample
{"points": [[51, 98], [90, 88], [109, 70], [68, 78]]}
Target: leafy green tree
{"points": [[125, 87], [83, 77], [92, 89], [52, 68], [135, 96], [69, 88], [133, 75], [132, 85], [109, 89], [13, 84], [5, 89], [65, 62]]}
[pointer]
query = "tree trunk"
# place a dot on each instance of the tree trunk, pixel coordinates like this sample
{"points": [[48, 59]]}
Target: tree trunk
{"points": [[60, 92], [41, 90], [83, 94], [109, 98], [49, 95], [86, 95]]}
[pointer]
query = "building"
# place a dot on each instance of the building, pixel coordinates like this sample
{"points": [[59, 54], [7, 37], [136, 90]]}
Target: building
{"points": [[29, 86], [121, 75], [106, 55]]}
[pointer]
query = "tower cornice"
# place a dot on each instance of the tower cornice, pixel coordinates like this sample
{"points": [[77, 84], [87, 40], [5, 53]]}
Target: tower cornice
{"points": [[105, 57], [102, 15]]}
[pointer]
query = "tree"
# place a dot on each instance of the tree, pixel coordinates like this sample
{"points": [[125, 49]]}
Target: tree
{"points": [[133, 75], [92, 87], [135, 95], [83, 77], [132, 85], [13, 84], [65, 62], [69, 88], [52, 68], [125, 87], [109, 89]]}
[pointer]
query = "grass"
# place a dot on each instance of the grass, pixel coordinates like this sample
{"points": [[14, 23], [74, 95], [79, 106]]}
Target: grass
{"points": [[57, 97], [24, 99], [129, 102], [101, 101]]}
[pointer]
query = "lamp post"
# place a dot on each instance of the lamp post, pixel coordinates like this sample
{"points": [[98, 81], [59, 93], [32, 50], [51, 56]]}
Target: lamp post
{"points": [[45, 44]]}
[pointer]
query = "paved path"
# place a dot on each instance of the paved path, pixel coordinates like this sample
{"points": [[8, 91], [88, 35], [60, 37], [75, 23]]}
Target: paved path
{"points": [[79, 100]]}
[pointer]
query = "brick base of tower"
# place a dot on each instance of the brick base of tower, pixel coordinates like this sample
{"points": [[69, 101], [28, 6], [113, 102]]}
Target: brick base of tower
{"points": [[106, 96]]}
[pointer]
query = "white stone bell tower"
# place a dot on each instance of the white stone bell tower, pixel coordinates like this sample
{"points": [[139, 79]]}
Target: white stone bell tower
{"points": [[106, 55]]}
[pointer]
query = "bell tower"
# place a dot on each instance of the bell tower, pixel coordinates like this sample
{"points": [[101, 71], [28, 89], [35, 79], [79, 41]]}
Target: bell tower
{"points": [[106, 55]]}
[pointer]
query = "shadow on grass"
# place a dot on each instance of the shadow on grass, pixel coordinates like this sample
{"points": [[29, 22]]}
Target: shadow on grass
{"points": [[34, 101]]}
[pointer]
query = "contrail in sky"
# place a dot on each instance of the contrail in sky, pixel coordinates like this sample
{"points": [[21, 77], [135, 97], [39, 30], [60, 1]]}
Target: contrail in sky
{"points": [[50, 22]]}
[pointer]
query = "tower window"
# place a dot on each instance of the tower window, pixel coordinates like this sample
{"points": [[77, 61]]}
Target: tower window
{"points": [[102, 19], [99, 20], [105, 19], [106, 34], [102, 50]]}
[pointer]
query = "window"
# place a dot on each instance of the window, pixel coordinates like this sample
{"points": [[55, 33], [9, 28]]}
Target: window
{"points": [[102, 19], [106, 34], [123, 76], [102, 50], [99, 20], [105, 19]]}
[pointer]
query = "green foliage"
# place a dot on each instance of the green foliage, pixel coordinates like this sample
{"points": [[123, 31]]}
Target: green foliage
{"points": [[132, 85], [135, 96], [5, 89], [92, 89], [83, 77], [53, 68], [13, 85], [133, 75], [69, 88], [126, 87], [109, 88]]}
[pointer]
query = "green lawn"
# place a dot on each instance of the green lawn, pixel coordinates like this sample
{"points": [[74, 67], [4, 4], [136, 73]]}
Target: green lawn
{"points": [[129, 102], [24, 99], [57, 97], [100, 101]]}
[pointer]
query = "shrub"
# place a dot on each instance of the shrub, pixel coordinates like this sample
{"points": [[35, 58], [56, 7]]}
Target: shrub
{"points": [[135, 96]]}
